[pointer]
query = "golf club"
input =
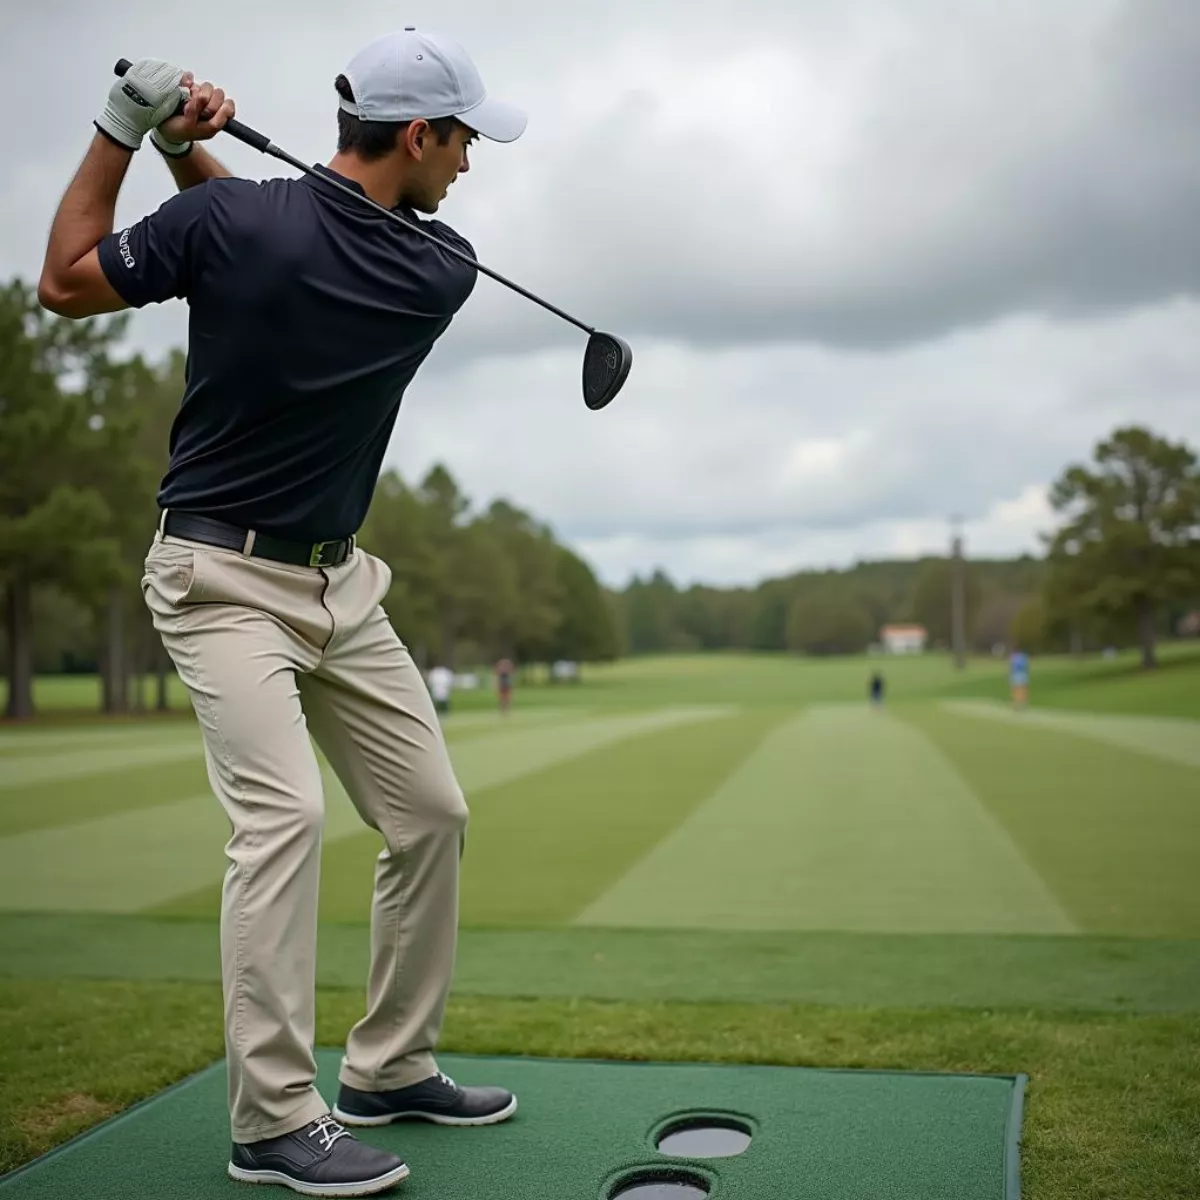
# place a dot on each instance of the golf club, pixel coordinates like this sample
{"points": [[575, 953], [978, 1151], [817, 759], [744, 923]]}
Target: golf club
{"points": [[607, 358]]}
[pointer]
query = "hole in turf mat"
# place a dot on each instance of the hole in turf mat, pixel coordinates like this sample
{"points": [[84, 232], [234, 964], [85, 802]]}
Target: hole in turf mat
{"points": [[704, 1137], [661, 1185]]}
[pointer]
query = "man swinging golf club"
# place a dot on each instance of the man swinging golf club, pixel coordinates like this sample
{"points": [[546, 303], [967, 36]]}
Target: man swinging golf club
{"points": [[310, 313]]}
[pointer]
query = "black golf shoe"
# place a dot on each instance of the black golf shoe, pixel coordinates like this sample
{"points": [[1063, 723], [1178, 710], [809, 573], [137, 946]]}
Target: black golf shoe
{"points": [[322, 1159], [438, 1099]]}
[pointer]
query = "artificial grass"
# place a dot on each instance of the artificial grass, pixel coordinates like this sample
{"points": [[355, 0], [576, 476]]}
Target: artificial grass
{"points": [[851, 970], [1113, 1107], [583, 1127], [1115, 835]]}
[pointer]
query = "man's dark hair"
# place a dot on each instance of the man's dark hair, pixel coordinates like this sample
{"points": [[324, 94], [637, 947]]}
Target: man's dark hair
{"points": [[373, 139]]}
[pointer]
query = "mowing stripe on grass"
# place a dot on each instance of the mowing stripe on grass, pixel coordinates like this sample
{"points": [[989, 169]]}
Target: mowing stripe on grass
{"points": [[134, 859], [480, 763], [51, 803], [139, 859], [29, 757], [47, 802], [1176, 739], [842, 819], [452, 722], [496, 758], [541, 848], [1115, 834], [44, 741], [76, 764]]}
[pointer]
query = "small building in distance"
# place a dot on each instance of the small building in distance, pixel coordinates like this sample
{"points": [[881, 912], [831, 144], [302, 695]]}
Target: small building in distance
{"points": [[903, 639]]}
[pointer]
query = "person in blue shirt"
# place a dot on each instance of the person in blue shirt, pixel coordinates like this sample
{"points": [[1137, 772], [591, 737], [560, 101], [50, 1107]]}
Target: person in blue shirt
{"points": [[1018, 678]]}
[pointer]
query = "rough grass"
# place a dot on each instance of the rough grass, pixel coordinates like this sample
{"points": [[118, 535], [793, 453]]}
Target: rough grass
{"points": [[1113, 1107]]}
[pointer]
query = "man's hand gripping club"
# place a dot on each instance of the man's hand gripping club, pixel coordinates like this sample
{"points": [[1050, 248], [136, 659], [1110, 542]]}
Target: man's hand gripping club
{"points": [[156, 97]]}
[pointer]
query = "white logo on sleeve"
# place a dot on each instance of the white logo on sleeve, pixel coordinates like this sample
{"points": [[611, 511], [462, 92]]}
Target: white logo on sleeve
{"points": [[123, 246]]}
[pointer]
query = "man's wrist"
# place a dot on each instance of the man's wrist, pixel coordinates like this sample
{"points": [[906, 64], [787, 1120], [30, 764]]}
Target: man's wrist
{"points": [[169, 149], [112, 140]]}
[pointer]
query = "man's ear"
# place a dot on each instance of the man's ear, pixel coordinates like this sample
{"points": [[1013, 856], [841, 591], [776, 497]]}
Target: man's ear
{"points": [[415, 134]]}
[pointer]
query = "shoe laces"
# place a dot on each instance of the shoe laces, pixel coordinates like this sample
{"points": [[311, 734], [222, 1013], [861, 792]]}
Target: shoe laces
{"points": [[329, 1131], [447, 1080]]}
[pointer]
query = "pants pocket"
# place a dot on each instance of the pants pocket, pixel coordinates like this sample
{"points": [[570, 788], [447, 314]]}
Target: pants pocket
{"points": [[171, 576]]}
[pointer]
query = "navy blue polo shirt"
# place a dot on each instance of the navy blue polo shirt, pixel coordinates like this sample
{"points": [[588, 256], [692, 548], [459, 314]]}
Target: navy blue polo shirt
{"points": [[309, 316]]}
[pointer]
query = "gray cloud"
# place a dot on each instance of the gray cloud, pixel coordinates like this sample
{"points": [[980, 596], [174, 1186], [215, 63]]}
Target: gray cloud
{"points": [[879, 263], [839, 174], [817, 453]]}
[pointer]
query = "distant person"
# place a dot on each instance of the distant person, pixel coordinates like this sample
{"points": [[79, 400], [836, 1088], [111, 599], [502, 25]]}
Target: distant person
{"points": [[877, 688], [441, 685], [504, 683], [1018, 678]]}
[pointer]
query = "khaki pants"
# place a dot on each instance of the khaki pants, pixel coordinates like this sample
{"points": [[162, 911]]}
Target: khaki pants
{"points": [[269, 653]]}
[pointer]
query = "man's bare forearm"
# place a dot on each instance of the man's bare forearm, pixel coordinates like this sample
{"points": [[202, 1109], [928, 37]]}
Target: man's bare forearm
{"points": [[196, 167], [87, 210]]}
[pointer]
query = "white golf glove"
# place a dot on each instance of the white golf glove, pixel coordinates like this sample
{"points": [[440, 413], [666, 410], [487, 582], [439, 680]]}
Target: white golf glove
{"points": [[142, 99]]}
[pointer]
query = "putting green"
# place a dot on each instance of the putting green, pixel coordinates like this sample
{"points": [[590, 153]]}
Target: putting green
{"points": [[842, 819], [584, 1129]]}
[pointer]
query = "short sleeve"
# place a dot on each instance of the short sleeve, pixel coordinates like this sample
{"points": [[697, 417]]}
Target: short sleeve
{"points": [[458, 279], [154, 259]]}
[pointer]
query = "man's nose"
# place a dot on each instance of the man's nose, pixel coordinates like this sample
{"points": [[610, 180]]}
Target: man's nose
{"points": [[465, 165]]}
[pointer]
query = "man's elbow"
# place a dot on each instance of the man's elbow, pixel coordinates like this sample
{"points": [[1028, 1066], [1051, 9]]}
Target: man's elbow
{"points": [[61, 298], [55, 297]]}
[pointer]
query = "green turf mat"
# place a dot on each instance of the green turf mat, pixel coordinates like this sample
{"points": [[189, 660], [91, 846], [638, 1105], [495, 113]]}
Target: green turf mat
{"points": [[1101, 974], [584, 1127]]}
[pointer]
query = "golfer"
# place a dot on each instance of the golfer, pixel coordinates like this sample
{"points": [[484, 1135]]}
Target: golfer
{"points": [[1018, 678], [441, 687], [309, 316], [504, 684]]}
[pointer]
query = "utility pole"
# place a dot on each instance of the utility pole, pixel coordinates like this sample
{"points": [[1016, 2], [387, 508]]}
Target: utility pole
{"points": [[958, 595]]}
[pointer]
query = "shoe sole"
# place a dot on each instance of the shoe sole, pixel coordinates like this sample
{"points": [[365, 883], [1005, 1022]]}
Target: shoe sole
{"points": [[363, 1122], [363, 1187]]}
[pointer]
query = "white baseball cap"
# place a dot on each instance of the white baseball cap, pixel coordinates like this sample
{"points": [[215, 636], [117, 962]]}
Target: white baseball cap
{"points": [[405, 75]]}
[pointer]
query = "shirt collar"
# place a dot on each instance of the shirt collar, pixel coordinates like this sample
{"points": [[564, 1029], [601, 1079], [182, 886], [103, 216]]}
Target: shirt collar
{"points": [[324, 173]]}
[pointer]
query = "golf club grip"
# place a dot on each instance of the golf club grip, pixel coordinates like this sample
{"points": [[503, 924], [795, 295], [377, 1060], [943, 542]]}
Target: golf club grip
{"points": [[243, 133]]}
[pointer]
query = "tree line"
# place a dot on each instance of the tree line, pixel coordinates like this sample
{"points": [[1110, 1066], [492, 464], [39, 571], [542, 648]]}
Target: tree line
{"points": [[1122, 568], [84, 435]]}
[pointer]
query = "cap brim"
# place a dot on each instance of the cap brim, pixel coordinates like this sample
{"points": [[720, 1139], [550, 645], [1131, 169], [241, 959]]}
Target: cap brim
{"points": [[495, 120]]}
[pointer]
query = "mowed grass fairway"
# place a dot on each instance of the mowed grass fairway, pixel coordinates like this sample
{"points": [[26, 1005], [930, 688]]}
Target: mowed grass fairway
{"points": [[712, 858]]}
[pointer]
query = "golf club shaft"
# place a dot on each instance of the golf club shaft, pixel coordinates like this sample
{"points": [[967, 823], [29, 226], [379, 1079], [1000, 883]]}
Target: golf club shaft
{"points": [[262, 143]]}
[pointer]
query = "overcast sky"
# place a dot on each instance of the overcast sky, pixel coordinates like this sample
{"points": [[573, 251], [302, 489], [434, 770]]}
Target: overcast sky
{"points": [[879, 263]]}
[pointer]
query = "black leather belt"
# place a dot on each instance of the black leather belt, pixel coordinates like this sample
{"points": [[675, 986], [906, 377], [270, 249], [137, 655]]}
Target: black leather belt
{"points": [[218, 533]]}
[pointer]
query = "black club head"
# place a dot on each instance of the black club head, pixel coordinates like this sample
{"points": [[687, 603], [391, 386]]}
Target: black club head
{"points": [[606, 363]]}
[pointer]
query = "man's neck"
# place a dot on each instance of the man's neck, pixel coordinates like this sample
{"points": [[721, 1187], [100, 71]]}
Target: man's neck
{"points": [[377, 179]]}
